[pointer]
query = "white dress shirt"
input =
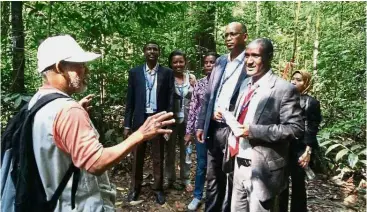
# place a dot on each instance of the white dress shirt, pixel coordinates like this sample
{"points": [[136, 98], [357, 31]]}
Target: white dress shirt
{"points": [[151, 74], [231, 74], [260, 92]]}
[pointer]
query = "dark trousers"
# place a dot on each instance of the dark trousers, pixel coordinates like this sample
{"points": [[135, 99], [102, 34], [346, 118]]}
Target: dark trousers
{"points": [[138, 163], [219, 184], [299, 197]]}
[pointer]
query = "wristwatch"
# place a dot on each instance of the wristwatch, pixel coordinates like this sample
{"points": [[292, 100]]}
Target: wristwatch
{"points": [[309, 152]]}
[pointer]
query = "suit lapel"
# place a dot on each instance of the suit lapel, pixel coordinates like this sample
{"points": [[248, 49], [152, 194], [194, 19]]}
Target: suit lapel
{"points": [[264, 99], [240, 79], [160, 76], [222, 66], [144, 84]]}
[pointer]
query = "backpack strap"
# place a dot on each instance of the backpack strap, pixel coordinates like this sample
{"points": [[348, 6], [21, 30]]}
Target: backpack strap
{"points": [[44, 100], [76, 174], [74, 187], [72, 170]]}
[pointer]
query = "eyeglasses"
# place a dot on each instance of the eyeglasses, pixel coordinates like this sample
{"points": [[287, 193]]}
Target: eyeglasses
{"points": [[231, 34]]}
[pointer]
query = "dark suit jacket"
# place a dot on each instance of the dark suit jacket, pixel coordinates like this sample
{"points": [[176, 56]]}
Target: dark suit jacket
{"points": [[136, 95], [277, 121], [207, 107]]}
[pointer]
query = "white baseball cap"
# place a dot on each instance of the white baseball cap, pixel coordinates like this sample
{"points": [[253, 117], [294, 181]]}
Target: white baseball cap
{"points": [[63, 47]]}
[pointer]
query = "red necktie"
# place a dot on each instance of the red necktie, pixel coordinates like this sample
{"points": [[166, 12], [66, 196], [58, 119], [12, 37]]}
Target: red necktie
{"points": [[241, 118]]}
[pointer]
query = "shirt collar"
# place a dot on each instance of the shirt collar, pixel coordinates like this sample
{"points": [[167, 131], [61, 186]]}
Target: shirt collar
{"points": [[152, 71], [49, 88], [262, 81], [240, 57]]}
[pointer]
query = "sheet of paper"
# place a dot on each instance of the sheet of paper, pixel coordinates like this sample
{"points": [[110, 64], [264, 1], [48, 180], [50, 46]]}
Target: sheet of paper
{"points": [[232, 122]]}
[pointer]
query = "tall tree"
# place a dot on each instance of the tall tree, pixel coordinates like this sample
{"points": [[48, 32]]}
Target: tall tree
{"points": [[258, 15], [205, 34], [316, 44], [4, 23], [18, 47]]}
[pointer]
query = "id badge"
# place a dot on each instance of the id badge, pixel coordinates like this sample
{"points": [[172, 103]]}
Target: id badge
{"points": [[180, 114], [149, 110]]}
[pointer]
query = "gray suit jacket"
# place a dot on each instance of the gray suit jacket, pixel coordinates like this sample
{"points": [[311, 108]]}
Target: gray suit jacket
{"points": [[208, 102], [277, 122]]}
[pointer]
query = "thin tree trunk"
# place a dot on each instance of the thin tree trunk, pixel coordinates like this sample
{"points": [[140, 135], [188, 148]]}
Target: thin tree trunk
{"points": [[316, 45], [296, 30], [49, 17], [289, 67], [205, 34], [258, 15], [5, 24], [18, 47]]}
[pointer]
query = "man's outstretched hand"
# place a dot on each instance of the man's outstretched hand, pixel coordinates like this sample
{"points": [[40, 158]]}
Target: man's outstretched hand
{"points": [[154, 125], [85, 102]]}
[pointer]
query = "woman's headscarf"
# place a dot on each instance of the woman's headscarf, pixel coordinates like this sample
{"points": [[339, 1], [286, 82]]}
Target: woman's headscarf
{"points": [[307, 80]]}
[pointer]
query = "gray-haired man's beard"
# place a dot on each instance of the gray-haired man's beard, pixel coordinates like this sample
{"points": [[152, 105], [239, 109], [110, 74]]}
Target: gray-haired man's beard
{"points": [[78, 85]]}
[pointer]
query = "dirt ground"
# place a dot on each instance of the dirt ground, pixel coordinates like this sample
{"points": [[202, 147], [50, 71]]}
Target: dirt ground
{"points": [[323, 194]]}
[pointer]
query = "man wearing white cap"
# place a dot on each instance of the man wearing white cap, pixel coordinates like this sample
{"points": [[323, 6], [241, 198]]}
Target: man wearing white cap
{"points": [[63, 133]]}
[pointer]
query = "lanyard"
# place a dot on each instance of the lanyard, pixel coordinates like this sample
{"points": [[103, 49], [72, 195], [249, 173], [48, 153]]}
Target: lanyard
{"points": [[149, 84], [181, 90], [224, 80]]}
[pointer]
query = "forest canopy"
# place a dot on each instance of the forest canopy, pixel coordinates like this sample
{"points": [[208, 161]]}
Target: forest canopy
{"points": [[328, 39]]}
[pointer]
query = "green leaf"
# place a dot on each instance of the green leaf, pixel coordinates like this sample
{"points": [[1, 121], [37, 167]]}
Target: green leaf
{"points": [[325, 135], [363, 152], [331, 148], [17, 102], [354, 147], [352, 159], [341, 153], [108, 134], [325, 142], [119, 139], [7, 99], [26, 98], [363, 161]]}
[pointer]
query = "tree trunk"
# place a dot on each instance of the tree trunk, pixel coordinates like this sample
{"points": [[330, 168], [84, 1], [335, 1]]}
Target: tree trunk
{"points": [[316, 45], [296, 30], [4, 24], [258, 15], [205, 35], [18, 47], [49, 17]]}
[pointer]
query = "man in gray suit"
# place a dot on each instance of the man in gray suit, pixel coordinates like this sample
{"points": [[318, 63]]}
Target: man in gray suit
{"points": [[270, 115], [224, 82]]}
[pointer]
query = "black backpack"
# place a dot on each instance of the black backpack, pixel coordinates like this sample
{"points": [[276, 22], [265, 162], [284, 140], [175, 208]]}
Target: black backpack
{"points": [[21, 185]]}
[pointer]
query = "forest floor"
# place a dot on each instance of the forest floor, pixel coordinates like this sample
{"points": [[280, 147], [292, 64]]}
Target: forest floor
{"points": [[323, 193]]}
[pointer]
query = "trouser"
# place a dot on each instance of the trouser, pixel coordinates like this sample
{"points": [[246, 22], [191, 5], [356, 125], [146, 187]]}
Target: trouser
{"points": [[177, 136], [201, 160], [299, 196], [243, 199], [157, 154], [219, 184]]}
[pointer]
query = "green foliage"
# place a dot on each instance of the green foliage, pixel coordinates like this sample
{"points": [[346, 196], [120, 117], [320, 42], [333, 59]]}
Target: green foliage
{"points": [[354, 153], [118, 30]]}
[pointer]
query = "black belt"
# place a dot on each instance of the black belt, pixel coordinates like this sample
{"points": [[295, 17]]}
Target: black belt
{"points": [[243, 162]]}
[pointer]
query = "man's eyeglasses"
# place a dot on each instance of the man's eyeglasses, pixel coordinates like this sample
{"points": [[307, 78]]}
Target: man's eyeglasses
{"points": [[231, 34]]}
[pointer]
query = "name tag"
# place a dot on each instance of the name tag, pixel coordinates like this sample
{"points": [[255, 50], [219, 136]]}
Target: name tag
{"points": [[149, 110]]}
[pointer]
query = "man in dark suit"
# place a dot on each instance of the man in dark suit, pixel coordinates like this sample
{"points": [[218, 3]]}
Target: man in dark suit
{"points": [[224, 83], [268, 109], [150, 90]]}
